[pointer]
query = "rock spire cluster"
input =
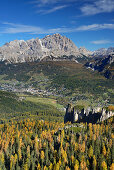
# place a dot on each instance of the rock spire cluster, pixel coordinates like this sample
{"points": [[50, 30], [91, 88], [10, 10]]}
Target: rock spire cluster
{"points": [[90, 115]]}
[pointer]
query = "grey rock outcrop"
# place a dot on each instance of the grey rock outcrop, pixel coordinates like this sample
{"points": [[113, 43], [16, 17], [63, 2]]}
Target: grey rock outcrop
{"points": [[85, 52], [19, 51], [103, 52], [54, 46], [106, 114], [90, 115], [69, 114], [58, 45]]}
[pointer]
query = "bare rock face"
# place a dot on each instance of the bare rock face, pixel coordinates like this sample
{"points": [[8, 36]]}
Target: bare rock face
{"points": [[56, 46], [90, 115], [106, 114], [69, 115], [103, 52], [84, 51], [19, 51]]}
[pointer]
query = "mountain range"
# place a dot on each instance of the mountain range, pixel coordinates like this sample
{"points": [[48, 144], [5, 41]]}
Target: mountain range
{"points": [[103, 52], [51, 47]]}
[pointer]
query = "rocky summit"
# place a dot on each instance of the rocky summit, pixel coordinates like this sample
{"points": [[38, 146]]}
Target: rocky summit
{"points": [[52, 46]]}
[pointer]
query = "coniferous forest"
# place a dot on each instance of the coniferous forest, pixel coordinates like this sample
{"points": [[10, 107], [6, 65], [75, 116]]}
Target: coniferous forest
{"points": [[32, 144]]}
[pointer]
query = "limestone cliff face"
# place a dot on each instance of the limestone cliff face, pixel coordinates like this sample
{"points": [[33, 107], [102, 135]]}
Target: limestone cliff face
{"points": [[85, 52], [19, 51], [54, 46], [106, 114], [90, 115], [58, 45]]}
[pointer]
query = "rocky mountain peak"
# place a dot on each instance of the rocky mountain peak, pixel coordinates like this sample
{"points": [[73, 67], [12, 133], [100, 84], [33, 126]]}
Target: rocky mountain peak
{"points": [[51, 46], [84, 51], [59, 45], [54, 45]]}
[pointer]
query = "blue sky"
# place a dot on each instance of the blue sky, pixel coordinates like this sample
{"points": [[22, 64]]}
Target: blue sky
{"points": [[88, 23]]}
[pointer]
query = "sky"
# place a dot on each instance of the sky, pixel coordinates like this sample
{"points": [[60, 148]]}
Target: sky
{"points": [[88, 23]]}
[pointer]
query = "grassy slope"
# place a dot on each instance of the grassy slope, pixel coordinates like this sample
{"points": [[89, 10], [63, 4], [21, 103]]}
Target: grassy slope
{"points": [[46, 101], [12, 108]]}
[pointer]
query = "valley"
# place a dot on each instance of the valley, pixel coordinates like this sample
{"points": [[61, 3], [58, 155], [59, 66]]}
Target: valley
{"points": [[56, 112], [65, 80]]}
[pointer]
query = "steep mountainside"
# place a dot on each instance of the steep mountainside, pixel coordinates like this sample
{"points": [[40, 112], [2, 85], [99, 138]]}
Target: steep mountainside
{"points": [[52, 47], [105, 65], [85, 52]]}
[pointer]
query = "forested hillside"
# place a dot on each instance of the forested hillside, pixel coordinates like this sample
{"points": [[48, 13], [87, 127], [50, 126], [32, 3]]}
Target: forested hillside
{"points": [[61, 79], [11, 107], [32, 144]]}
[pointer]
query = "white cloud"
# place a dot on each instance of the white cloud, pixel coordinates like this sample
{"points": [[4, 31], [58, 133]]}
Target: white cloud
{"points": [[87, 7], [12, 28], [101, 42], [50, 6], [47, 2], [95, 27], [52, 9], [98, 6], [44, 2]]}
